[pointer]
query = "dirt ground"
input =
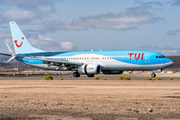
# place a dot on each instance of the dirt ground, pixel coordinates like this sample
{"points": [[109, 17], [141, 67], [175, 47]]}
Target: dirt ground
{"points": [[90, 99]]}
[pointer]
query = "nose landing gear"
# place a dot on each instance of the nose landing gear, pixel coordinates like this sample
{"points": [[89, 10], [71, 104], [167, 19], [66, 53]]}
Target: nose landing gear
{"points": [[153, 75]]}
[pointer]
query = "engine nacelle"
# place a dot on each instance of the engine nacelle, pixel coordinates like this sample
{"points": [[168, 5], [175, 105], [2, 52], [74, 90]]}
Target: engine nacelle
{"points": [[112, 72], [89, 69]]}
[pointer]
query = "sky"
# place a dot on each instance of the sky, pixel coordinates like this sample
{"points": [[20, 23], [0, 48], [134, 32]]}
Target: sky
{"points": [[82, 25]]}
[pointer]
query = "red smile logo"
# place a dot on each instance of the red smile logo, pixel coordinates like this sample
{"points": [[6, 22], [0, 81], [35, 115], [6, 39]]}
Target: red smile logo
{"points": [[11, 53], [15, 41]]}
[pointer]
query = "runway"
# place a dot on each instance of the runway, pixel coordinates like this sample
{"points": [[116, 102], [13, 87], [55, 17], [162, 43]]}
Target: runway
{"points": [[84, 77]]}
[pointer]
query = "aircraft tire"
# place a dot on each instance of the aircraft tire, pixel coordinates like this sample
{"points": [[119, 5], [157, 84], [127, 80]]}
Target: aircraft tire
{"points": [[153, 75], [76, 74], [90, 75]]}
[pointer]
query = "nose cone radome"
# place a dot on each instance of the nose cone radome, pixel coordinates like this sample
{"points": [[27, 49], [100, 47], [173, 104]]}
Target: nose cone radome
{"points": [[169, 62]]}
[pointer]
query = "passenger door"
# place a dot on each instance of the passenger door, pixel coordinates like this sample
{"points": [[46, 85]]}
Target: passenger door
{"points": [[147, 58]]}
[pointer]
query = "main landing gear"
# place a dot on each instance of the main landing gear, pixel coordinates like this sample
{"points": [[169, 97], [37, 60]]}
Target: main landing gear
{"points": [[76, 74], [90, 75]]}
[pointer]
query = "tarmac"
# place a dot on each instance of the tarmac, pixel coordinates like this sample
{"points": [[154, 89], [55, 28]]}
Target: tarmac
{"points": [[163, 76], [80, 78]]}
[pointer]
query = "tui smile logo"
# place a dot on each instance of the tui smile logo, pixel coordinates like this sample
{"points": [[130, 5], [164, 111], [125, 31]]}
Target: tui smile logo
{"points": [[15, 41], [11, 53]]}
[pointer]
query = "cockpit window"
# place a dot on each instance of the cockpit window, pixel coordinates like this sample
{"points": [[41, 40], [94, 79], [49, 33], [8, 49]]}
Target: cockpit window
{"points": [[160, 57]]}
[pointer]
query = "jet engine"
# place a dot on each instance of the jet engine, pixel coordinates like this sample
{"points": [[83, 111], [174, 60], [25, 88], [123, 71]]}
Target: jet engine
{"points": [[89, 69]]}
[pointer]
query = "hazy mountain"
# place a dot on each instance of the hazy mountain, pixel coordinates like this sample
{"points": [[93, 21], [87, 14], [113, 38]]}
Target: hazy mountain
{"points": [[176, 60], [3, 62], [4, 58]]}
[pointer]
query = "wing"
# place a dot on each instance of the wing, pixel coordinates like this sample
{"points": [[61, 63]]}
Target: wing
{"points": [[65, 64], [5, 54]]}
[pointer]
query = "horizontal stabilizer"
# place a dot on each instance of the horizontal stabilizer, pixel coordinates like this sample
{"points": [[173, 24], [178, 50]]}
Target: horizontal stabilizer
{"points": [[11, 58], [5, 54]]}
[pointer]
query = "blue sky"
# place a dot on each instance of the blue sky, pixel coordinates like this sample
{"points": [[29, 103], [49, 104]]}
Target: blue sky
{"points": [[68, 25]]}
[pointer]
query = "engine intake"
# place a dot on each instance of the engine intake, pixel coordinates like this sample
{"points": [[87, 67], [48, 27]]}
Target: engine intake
{"points": [[89, 69]]}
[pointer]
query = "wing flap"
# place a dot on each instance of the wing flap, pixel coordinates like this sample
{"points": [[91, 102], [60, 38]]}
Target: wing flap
{"points": [[5, 54], [56, 62]]}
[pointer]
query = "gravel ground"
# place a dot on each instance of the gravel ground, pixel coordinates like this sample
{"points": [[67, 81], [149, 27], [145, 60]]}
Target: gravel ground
{"points": [[143, 76], [90, 99]]}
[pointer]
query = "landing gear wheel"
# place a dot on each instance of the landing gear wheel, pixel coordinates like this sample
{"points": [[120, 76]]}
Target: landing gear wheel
{"points": [[76, 74], [90, 75], [153, 75]]}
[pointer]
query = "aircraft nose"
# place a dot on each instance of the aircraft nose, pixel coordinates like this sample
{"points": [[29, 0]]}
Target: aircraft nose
{"points": [[170, 62]]}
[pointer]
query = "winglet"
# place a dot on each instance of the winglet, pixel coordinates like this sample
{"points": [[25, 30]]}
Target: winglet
{"points": [[11, 52], [11, 59]]}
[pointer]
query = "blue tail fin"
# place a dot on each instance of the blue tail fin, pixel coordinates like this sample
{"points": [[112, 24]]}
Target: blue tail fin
{"points": [[21, 44]]}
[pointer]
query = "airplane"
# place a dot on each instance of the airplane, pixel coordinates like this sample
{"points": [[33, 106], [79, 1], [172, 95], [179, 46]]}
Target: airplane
{"points": [[84, 62]]}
